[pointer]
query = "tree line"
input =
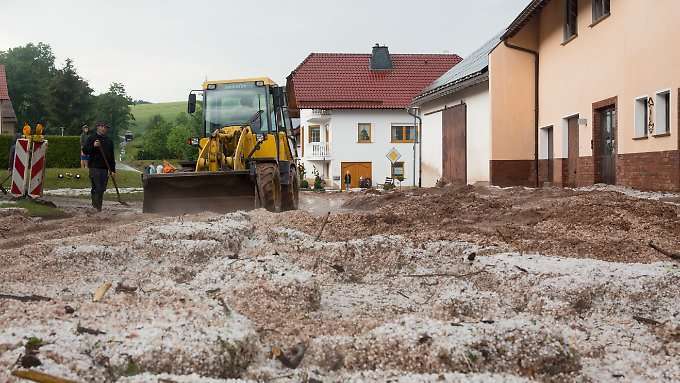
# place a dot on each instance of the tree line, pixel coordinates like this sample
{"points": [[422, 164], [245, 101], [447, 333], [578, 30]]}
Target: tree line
{"points": [[164, 139], [58, 97]]}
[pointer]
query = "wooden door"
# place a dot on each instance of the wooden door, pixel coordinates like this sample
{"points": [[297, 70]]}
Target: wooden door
{"points": [[572, 151], [607, 150], [356, 170], [454, 147]]}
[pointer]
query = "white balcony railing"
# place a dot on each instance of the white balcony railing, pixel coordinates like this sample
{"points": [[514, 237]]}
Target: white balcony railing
{"points": [[319, 150], [319, 116]]}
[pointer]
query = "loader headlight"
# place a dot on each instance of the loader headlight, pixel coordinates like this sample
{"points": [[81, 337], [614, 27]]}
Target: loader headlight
{"points": [[260, 137], [259, 83], [212, 86]]}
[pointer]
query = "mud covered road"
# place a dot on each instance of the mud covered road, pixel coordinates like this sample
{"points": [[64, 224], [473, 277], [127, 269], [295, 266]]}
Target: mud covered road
{"points": [[441, 285]]}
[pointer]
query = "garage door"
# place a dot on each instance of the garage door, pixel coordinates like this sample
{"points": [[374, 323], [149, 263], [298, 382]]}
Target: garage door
{"points": [[454, 148], [356, 170]]}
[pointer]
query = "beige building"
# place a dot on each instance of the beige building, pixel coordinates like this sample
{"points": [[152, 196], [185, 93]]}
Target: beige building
{"points": [[587, 92]]}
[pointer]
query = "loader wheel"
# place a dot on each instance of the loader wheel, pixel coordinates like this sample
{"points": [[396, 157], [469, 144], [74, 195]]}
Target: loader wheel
{"points": [[268, 187], [290, 193]]}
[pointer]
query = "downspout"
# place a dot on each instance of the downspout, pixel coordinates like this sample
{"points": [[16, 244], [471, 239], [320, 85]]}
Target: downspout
{"points": [[418, 127], [536, 69]]}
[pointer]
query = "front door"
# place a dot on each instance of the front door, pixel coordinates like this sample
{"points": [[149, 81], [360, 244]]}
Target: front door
{"points": [[454, 147], [608, 145], [572, 151], [356, 171]]}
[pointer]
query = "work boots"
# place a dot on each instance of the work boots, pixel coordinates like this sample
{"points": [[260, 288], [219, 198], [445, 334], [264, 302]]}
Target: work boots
{"points": [[97, 201]]}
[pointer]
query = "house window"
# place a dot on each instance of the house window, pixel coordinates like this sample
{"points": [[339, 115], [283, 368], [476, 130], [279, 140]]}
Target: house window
{"points": [[571, 11], [600, 9], [398, 171], [663, 113], [314, 133], [403, 133], [364, 133], [641, 116]]}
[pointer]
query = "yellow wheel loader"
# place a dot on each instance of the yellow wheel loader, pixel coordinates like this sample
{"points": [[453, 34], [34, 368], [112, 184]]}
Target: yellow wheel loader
{"points": [[247, 157]]}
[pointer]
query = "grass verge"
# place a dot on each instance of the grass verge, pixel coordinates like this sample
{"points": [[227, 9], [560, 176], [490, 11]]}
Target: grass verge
{"points": [[35, 209], [125, 179]]}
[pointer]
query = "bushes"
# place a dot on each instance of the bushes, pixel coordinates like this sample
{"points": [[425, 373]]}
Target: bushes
{"points": [[319, 184], [5, 143], [62, 152]]}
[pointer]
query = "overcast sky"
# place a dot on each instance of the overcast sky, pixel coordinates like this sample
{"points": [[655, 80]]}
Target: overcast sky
{"points": [[162, 49]]}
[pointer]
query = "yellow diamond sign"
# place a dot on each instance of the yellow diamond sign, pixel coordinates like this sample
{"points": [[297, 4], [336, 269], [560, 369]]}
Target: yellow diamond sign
{"points": [[393, 155]]}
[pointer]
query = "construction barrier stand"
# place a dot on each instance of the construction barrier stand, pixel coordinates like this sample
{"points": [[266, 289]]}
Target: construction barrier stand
{"points": [[37, 171], [21, 167]]}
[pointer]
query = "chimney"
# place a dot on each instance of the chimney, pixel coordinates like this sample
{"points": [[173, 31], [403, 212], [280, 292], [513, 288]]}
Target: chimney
{"points": [[380, 59]]}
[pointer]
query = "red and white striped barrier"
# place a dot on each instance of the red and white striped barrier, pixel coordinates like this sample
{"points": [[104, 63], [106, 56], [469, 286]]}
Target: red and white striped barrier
{"points": [[28, 172], [35, 184], [21, 167]]}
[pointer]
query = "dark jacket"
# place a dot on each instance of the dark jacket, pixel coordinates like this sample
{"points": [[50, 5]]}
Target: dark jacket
{"points": [[96, 159], [83, 139], [348, 179]]}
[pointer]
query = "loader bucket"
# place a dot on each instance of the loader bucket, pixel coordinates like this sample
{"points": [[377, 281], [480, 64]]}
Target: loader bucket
{"points": [[193, 192]]}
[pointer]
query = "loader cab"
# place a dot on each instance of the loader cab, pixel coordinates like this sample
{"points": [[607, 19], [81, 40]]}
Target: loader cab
{"points": [[234, 103]]}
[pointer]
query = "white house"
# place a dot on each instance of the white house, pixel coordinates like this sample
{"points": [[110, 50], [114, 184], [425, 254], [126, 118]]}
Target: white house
{"points": [[456, 117], [353, 116]]}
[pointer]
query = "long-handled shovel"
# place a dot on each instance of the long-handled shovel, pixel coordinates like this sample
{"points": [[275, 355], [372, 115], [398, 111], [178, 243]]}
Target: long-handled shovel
{"points": [[106, 161]]}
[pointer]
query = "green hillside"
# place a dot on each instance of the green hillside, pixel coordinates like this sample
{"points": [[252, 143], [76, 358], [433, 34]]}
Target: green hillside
{"points": [[144, 112]]}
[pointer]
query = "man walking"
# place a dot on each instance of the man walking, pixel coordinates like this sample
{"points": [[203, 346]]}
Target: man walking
{"points": [[98, 164], [348, 180], [84, 135]]}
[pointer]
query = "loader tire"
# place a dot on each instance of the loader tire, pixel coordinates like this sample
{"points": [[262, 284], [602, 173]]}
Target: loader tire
{"points": [[291, 193], [268, 186]]}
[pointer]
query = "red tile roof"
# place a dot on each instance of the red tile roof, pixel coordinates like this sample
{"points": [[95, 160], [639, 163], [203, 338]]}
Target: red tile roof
{"points": [[345, 81], [4, 93]]}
